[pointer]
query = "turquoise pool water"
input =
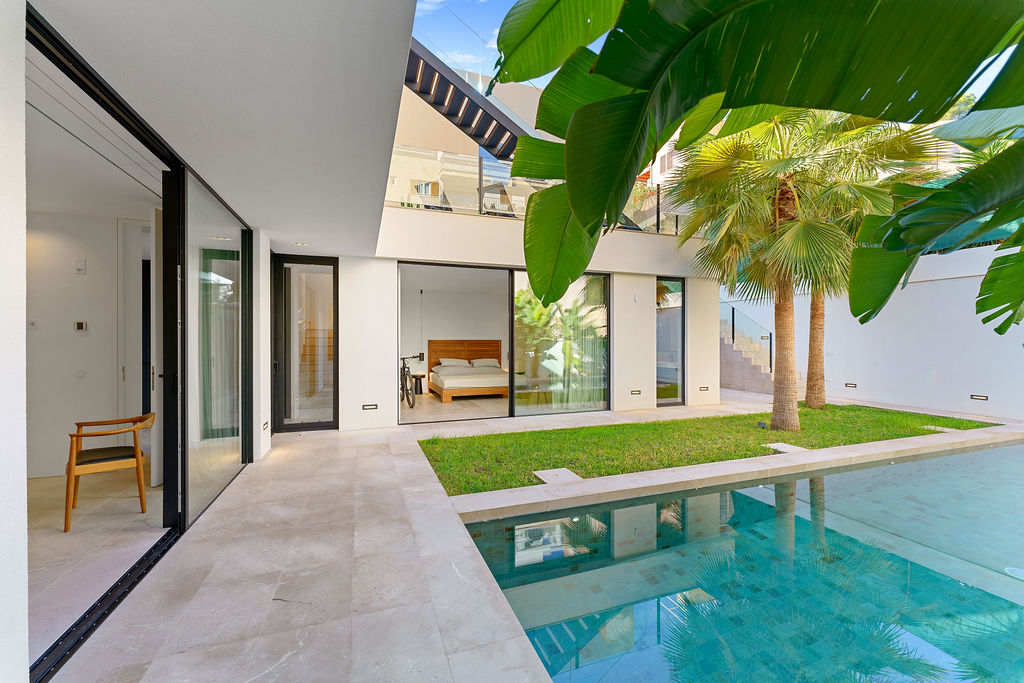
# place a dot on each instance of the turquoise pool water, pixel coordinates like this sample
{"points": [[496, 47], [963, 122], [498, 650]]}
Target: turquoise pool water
{"points": [[906, 572]]}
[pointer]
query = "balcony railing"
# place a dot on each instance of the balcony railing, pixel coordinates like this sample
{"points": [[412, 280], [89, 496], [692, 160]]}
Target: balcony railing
{"points": [[460, 183]]}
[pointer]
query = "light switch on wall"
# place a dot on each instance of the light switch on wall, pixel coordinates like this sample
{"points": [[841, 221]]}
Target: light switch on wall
{"points": [[79, 266]]}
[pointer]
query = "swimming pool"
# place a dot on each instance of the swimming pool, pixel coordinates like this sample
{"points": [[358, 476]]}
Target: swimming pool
{"points": [[904, 572]]}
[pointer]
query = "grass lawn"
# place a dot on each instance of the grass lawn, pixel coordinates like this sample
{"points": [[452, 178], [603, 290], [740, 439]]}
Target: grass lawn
{"points": [[500, 461]]}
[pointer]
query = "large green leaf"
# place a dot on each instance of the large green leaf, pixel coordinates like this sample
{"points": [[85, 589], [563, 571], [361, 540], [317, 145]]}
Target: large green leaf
{"points": [[874, 275], [604, 151], [1002, 291], [573, 86], [747, 117], [699, 121], [557, 246], [536, 158], [537, 35], [981, 127], [1006, 88]]}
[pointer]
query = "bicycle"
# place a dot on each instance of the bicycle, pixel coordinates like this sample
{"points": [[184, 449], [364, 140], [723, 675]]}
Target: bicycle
{"points": [[406, 388]]}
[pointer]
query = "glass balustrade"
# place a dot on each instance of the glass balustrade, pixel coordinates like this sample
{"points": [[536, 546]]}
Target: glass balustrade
{"points": [[746, 334]]}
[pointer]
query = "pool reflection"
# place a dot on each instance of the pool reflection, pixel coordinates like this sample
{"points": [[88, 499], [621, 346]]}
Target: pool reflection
{"points": [[738, 585]]}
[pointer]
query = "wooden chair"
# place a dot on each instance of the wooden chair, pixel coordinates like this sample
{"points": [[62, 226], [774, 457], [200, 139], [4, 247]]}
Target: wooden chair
{"points": [[105, 459]]}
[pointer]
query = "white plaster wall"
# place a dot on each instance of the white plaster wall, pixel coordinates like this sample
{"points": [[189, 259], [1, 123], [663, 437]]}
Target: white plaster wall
{"points": [[926, 349], [453, 315], [419, 235], [368, 342], [262, 357], [634, 341], [634, 530], [72, 376], [702, 345], [13, 535]]}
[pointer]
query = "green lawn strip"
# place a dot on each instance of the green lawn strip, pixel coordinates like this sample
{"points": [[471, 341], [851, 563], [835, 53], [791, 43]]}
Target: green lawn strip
{"points": [[498, 461]]}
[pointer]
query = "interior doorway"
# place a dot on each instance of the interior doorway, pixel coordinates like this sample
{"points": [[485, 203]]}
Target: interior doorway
{"points": [[305, 314]]}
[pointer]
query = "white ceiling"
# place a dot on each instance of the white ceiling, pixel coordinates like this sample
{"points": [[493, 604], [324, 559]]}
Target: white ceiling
{"points": [[287, 109], [452, 279], [79, 160]]}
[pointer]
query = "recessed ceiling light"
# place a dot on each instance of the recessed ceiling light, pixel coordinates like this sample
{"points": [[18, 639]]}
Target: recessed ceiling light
{"points": [[302, 244], [228, 239]]}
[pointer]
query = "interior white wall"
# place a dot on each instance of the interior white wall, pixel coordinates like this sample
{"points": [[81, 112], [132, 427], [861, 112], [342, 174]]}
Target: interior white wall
{"points": [[701, 374], [634, 341], [480, 314], [262, 357], [72, 375], [368, 342], [13, 511], [927, 348]]}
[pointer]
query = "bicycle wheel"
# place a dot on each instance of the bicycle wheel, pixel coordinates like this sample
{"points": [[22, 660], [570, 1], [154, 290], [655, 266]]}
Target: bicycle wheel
{"points": [[410, 394]]}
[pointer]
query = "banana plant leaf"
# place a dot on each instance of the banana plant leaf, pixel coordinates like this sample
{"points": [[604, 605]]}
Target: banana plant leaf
{"points": [[537, 35], [995, 188], [669, 55], [573, 86], [552, 256], [979, 128]]}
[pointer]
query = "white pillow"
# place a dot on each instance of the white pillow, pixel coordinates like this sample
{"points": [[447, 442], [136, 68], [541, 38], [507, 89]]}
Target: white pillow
{"points": [[441, 370], [454, 361], [486, 363]]}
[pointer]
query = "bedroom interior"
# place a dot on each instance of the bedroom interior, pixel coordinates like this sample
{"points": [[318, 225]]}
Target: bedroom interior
{"points": [[458, 318]]}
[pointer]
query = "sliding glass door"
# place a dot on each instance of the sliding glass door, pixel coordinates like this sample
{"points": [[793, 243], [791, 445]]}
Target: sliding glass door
{"points": [[213, 349], [670, 341], [561, 351], [305, 342]]}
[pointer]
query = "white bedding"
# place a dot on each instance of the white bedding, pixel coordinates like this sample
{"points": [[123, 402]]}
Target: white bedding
{"points": [[497, 378]]}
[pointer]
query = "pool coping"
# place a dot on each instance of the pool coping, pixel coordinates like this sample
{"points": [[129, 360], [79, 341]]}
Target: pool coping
{"points": [[490, 505]]}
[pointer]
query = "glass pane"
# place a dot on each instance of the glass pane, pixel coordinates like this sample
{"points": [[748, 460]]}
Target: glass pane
{"points": [[670, 341], [309, 298], [561, 351], [214, 324]]}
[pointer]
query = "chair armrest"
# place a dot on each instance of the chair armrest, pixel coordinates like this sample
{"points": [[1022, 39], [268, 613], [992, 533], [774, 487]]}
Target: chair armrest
{"points": [[111, 432], [98, 423]]}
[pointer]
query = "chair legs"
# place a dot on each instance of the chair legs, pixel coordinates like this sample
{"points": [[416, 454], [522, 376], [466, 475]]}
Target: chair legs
{"points": [[142, 485], [74, 501], [68, 501]]}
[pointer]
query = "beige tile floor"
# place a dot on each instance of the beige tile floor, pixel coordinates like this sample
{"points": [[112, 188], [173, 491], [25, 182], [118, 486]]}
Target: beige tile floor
{"points": [[429, 408], [337, 556], [68, 572]]}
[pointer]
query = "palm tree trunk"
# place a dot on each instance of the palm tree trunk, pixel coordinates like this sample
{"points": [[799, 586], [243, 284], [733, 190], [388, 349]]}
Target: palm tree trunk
{"points": [[784, 400], [785, 520], [816, 354]]}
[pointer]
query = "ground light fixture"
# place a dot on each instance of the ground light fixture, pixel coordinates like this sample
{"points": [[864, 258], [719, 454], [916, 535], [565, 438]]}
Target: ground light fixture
{"points": [[302, 244]]}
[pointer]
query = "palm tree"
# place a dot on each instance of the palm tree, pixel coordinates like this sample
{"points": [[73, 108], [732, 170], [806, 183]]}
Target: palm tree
{"points": [[777, 204]]}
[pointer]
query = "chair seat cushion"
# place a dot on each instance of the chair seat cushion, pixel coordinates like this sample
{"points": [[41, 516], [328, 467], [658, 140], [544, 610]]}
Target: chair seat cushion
{"points": [[108, 454]]}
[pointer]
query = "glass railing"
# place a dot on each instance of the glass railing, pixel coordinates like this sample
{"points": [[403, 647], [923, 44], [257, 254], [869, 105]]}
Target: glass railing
{"points": [[747, 335], [431, 179], [460, 183]]}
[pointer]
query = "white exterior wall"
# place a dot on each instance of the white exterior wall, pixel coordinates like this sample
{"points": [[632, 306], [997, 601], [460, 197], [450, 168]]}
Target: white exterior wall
{"points": [[634, 341], [262, 356], [368, 342], [702, 346], [926, 349], [13, 535]]}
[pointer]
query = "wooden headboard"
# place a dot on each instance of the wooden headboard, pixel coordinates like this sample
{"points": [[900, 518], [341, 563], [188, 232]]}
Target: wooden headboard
{"points": [[468, 349]]}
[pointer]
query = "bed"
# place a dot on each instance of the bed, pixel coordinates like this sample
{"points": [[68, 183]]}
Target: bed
{"points": [[474, 381]]}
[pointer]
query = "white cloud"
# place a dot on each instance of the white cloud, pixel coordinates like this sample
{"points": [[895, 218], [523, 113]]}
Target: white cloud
{"points": [[492, 44], [464, 58], [427, 6]]}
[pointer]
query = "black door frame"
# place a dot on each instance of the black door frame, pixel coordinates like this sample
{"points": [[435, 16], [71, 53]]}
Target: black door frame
{"points": [[682, 341], [279, 322]]}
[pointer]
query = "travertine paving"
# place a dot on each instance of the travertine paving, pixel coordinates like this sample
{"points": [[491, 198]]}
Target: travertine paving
{"points": [[336, 557]]}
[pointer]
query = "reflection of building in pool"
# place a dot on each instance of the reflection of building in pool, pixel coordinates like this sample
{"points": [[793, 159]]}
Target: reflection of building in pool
{"points": [[734, 586]]}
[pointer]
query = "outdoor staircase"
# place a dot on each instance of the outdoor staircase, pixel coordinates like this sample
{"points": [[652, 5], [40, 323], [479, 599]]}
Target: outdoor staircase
{"points": [[317, 350], [560, 644], [746, 362]]}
